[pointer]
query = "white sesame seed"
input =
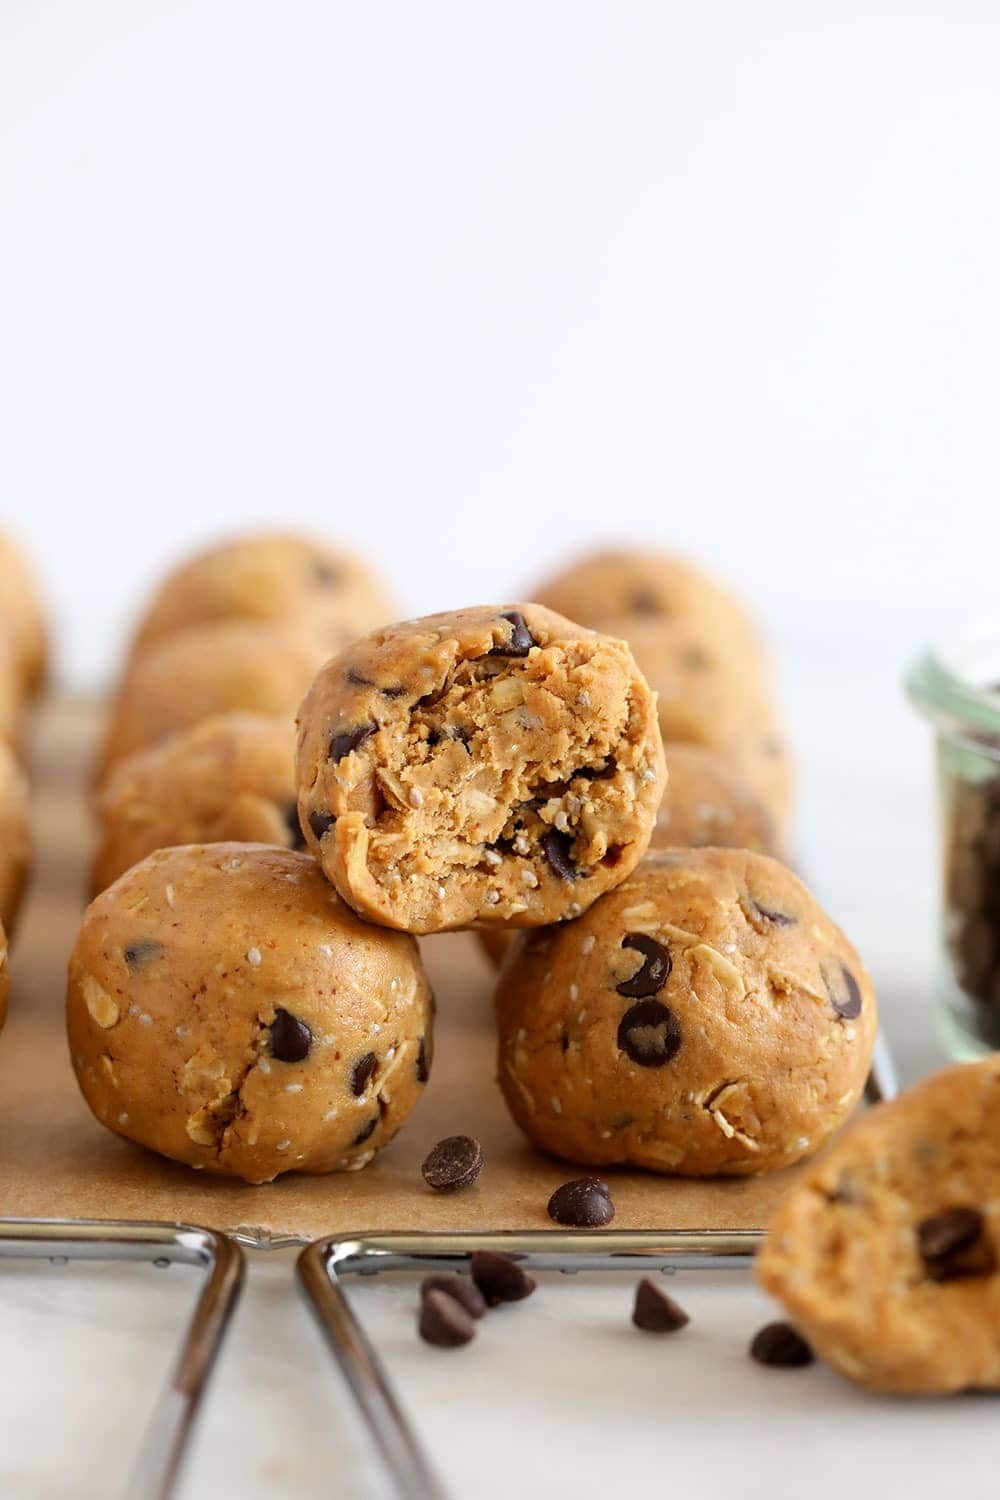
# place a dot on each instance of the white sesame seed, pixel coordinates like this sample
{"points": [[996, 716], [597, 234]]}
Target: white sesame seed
{"points": [[574, 993], [441, 892], [493, 857], [123, 1118], [181, 1031], [282, 1145], [588, 945], [415, 797], [530, 878], [145, 1020], [169, 893], [556, 1106], [521, 1034], [293, 1088], [331, 1114], [253, 956], [492, 897], [325, 949], [264, 1065]]}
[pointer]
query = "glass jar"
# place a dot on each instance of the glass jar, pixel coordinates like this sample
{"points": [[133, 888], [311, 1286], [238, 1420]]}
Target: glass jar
{"points": [[958, 689]]}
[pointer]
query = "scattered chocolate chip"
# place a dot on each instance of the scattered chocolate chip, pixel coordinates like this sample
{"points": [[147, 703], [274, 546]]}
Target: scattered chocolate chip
{"points": [[584, 1203], [613, 856], [453, 1164], [644, 602], [290, 1037], [954, 1244], [366, 1131], [499, 1278], [656, 966], [357, 679], [321, 823], [346, 740], [443, 1321], [423, 1067], [773, 915], [842, 987], [654, 1311], [362, 1072], [143, 951], [521, 639], [291, 816], [779, 1345], [326, 574], [556, 847], [462, 1288], [649, 1033]]}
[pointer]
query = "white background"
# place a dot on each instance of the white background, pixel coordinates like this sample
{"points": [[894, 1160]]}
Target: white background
{"points": [[470, 285]]}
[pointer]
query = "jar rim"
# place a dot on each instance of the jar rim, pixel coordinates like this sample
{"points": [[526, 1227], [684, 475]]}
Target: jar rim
{"points": [[941, 684]]}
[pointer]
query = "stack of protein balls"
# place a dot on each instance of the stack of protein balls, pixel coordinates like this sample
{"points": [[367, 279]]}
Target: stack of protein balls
{"points": [[23, 662], [251, 1007]]}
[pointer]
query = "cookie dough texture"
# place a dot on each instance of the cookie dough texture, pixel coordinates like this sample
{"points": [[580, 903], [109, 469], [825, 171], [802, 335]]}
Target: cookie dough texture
{"points": [[496, 765], [618, 591], [707, 803], [15, 838], [226, 1009], [706, 698], [270, 577], [231, 667], [22, 617], [705, 1018], [231, 777], [886, 1253]]}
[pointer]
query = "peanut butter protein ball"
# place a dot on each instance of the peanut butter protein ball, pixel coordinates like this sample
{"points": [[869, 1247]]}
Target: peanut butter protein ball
{"points": [[15, 837], [226, 1009], [496, 765], [231, 777], [22, 617], [705, 1018]]}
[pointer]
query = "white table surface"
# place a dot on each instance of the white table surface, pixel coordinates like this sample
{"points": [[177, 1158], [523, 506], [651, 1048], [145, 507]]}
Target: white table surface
{"points": [[558, 1396]]}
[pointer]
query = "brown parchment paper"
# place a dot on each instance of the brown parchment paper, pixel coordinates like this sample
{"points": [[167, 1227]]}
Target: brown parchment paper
{"points": [[57, 1161]]}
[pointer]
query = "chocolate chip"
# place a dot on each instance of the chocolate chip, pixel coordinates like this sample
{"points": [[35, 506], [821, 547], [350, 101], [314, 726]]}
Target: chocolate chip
{"points": [[772, 914], [143, 951], [499, 1278], [556, 847], [695, 659], [346, 740], [423, 1067], [326, 574], [842, 987], [321, 823], [362, 1072], [461, 1288], [644, 602], [366, 1131], [443, 1321], [654, 1311], [954, 1244], [656, 966], [779, 1345], [357, 679], [453, 1164], [649, 1033], [290, 1037], [584, 1203], [291, 816], [521, 639]]}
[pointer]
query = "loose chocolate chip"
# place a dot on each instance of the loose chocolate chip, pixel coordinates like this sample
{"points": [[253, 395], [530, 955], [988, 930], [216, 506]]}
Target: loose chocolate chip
{"points": [[556, 847], [361, 1073], [521, 639], [654, 1311], [423, 1067], [772, 914], [321, 823], [499, 1278], [842, 987], [142, 952], [779, 1345], [584, 1203], [444, 1322], [955, 1244], [366, 1131], [290, 1037], [293, 825], [461, 1288], [656, 966], [649, 1033], [346, 740], [453, 1164]]}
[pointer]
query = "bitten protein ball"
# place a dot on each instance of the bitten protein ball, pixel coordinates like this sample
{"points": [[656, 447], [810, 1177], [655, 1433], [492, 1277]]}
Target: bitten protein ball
{"points": [[229, 777], [15, 838], [887, 1252], [707, 803], [226, 1009], [214, 669], [619, 591], [705, 1018], [275, 578], [22, 615], [497, 765]]}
